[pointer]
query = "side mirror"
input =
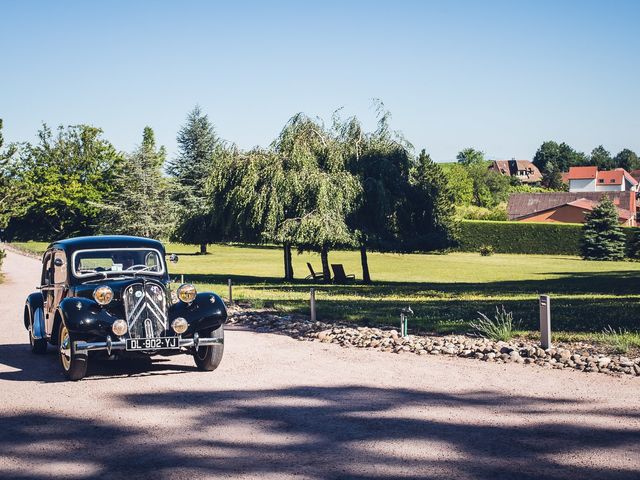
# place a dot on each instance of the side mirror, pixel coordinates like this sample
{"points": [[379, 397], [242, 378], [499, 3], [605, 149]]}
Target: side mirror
{"points": [[58, 262], [173, 258]]}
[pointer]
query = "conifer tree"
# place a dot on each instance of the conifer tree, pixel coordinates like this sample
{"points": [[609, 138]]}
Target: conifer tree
{"points": [[140, 203], [192, 167], [602, 236]]}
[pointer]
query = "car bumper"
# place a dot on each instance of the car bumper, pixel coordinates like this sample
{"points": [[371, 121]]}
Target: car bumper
{"points": [[110, 345]]}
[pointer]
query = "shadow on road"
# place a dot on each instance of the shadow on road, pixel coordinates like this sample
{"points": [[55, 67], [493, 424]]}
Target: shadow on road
{"points": [[29, 367], [334, 433]]}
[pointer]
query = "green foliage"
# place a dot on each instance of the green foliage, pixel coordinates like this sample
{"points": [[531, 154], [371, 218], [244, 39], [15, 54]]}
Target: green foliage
{"points": [[63, 179], [2, 255], [460, 183], [561, 155], [11, 196], [501, 328], [486, 250], [490, 188], [427, 221], [469, 156], [198, 146], [552, 178], [626, 159], [603, 238], [521, 237], [140, 202], [601, 158], [471, 212]]}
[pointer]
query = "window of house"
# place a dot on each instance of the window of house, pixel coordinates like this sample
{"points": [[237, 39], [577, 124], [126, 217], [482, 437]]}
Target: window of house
{"points": [[601, 180]]}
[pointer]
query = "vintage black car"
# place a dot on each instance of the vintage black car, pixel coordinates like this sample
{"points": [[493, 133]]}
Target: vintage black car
{"points": [[110, 295]]}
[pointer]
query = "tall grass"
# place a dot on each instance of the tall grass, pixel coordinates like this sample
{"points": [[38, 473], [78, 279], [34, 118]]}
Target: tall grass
{"points": [[620, 340], [501, 328]]}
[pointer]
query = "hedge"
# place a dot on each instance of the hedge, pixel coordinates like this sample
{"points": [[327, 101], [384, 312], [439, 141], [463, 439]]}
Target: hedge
{"points": [[528, 237]]}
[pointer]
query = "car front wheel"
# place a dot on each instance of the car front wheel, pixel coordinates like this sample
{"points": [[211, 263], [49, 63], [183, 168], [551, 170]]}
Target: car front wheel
{"points": [[38, 345], [208, 358], [73, 365]]}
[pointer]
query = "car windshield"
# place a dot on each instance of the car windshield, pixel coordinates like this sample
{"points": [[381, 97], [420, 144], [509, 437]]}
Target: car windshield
{"points": [[117, 261]]}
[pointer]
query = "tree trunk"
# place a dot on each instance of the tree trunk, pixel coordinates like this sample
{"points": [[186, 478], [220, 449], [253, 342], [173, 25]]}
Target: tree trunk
{"points": [[324, 257], [366, 277], [288, 265], [203, 249]]}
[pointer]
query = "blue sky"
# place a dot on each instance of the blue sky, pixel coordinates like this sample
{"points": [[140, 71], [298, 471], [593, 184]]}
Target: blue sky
{"points": [[498, 76]]}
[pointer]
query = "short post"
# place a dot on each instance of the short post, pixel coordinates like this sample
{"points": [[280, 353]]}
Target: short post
{"points": [[230, 292], [404, 321], [182, 279], [312, 304], [545, 321]]}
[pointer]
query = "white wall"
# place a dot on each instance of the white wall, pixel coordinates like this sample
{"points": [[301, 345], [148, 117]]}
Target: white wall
{"points": [[586, 185], [609, 188]]}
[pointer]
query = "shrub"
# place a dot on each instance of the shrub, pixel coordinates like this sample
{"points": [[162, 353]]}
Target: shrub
{"points": [[472, 212], [2, 255], [499, 329], [486, 250]]}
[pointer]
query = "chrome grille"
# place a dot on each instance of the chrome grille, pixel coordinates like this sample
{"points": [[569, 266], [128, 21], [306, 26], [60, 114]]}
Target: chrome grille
{"points": [[145, 308]]}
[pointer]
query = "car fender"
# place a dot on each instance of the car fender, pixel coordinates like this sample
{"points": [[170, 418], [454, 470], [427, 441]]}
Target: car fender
{"points": [[207, 311], [84, 318], [35, 301]]}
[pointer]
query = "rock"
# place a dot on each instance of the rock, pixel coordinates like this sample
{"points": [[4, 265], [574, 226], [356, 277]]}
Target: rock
{"points": [[603, 362]]}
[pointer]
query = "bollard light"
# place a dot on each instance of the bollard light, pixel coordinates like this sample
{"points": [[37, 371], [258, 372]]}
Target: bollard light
{"points": [[404, 321]]}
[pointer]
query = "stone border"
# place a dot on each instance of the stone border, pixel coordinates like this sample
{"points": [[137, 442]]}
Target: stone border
{"points": [[578, 356]]}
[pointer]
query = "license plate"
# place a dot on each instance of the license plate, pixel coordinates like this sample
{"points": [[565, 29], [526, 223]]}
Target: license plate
{"points": [[162, 343]]}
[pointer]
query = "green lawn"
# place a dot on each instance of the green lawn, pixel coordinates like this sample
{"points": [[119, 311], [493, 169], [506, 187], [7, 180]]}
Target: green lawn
{"points": [[445, 291]]}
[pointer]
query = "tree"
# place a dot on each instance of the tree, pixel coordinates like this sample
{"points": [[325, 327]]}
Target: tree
{"points": [[10, 193], [551, 178], [601, 158], [602, 236], [140, 202], [197, 146], [469, 156], [427, 221], [489, 187], [460, 183], [381, 161], [64, 178], [561, 155], [626, 159]]}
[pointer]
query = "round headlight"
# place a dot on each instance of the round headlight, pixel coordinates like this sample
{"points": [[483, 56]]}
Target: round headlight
{"points": [[103, 295], [179, 325], [119, 327], [187, 293]]}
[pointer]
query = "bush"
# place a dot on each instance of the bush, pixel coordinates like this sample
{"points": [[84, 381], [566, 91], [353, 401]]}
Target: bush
{"points": [[499, 329], [2, 255], [471, 212], [486, 250], [532, 238]]}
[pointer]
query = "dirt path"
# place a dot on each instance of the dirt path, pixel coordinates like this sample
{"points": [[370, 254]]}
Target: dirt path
{"points": [[279, 408]]}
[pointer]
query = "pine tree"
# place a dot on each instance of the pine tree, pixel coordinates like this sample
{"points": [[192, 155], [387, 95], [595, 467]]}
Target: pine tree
{"points": [[428, 218], [192, 167], [602, 236], [140, 203]]}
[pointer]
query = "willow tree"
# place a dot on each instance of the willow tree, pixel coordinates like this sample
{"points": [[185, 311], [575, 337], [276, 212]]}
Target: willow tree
{"points": [[381, 161], [317, 192]]}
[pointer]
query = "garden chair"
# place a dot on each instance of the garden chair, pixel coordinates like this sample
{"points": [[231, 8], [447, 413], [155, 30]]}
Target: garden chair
{"points": [[339, 275], [314, 275]]}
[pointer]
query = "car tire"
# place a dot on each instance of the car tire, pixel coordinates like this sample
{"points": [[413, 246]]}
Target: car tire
{"points": [[208, 358], [73, 365], [38, 345]]}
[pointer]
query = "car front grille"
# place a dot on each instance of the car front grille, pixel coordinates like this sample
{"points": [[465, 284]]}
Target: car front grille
{"points": [[145, 308]]}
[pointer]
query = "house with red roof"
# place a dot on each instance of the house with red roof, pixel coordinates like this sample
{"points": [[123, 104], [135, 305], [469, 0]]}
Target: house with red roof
{"points": [[590, 179], [569, 207]]}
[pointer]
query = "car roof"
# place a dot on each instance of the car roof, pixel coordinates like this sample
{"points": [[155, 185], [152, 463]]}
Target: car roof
{"points": [[106, 241]]}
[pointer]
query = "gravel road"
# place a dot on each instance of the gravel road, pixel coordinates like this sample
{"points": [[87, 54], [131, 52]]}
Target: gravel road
{"points": [[280, 408]]}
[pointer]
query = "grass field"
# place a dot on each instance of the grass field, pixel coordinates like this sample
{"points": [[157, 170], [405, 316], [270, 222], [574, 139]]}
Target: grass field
{"points": [[444, 291]]}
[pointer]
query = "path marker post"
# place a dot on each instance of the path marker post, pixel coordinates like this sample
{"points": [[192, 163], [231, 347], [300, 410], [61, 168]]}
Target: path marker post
{"points": [[230, 292], [312, 304], [545, 321]]}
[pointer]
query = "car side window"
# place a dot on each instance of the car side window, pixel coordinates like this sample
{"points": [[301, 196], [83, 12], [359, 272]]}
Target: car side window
{"points": [[46, 270], [60, 268]]}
